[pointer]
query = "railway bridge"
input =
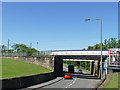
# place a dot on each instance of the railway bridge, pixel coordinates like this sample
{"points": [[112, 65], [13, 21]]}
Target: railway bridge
{"points": [[94, 56]]}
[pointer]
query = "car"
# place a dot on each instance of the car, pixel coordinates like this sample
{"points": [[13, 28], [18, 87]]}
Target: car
{"points": [[80, 71], [67, 76]]}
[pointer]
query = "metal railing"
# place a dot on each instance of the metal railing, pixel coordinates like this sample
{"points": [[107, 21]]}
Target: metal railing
{"points": [[48, 52]]}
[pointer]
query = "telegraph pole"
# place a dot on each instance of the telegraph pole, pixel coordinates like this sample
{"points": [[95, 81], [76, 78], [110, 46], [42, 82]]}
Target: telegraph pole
{"points": [[37, 45], [8, 45], [31, 44], [37, 48]]}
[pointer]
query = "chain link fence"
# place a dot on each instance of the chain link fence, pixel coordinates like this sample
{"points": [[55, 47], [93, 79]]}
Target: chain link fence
{"points": [[39, 53]]}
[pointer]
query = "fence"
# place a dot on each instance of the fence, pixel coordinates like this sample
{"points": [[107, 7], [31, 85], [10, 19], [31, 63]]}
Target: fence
{"points": [[14, 53]]}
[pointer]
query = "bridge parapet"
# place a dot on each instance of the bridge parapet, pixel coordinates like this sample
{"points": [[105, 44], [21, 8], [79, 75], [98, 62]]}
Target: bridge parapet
{"points": [[79, 52]]}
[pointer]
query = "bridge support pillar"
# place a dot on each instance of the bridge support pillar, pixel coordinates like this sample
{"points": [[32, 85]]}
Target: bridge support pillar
{"points": [[91, 67], [58, 66], [99, 70], [96, 68]]}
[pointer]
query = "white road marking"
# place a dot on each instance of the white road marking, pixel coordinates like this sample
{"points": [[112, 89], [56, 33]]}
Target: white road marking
{"points": [[75, 79], [65, 87], [70, 85]]}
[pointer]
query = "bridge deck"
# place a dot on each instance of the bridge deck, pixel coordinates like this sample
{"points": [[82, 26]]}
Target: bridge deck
{"points": [[79, 52]]}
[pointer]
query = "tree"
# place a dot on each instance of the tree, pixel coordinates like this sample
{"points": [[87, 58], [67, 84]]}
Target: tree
{"points": [[31, 51], [3, 49], [97, 47], [83, 49], [113, 42], [20, 48], [90, 48], [16, 47], [105, 45], [118, 44], [23, 49], [110, 43], [10, 51]]}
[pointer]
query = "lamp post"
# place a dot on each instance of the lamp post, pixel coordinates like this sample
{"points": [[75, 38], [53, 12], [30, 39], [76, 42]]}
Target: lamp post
{"points": [[100, 38]]}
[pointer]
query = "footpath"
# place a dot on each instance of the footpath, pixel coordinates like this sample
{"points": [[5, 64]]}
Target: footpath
{"points": [[42, 84]]}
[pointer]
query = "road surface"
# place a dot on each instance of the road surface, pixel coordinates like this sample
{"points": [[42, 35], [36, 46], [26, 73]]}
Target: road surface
{"points": [[78, 81]]}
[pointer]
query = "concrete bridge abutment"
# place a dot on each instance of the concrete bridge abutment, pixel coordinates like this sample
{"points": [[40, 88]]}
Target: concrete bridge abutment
{"points": [[58, 66]]}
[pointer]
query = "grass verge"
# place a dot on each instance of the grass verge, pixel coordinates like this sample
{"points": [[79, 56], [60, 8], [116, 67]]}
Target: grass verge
{"points": [[14, 68], [113, 81]]}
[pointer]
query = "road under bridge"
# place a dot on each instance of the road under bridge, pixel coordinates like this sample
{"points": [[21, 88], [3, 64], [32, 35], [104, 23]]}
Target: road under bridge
{"points": [[94, 56]]}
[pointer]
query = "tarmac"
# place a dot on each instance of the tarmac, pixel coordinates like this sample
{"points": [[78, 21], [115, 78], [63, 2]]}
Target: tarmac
{"points": [[42, 84]]}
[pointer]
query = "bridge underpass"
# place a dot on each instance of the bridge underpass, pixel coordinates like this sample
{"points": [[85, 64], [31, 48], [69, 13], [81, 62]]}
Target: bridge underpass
{"points": [[93, 56], [79, 64], [94, 65], [78, 80]]}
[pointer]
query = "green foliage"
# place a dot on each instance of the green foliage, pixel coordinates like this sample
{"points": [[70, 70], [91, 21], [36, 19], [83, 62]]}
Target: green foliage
{"points": [[83, 49], [118, 45], [97, 47], [110, 43], [82, 64], [90, 48], [30, 51], [21, 48], [3, 49]]}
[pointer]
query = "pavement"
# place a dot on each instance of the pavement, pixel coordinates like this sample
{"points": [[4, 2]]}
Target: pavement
{"points": [[78, 80], [42, 84]]}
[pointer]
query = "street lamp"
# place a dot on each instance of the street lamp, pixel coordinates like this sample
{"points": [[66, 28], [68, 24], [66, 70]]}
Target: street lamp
{"points": [[100, 38]]}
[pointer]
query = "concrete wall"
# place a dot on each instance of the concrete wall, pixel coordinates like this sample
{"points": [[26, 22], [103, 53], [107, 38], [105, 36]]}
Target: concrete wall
{"points": [[44, 61], [50, 62], [55, 63], [25, 81]]}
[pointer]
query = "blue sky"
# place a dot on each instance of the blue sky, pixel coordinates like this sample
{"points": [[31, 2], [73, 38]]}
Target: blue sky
{"points": [[58, 25]]}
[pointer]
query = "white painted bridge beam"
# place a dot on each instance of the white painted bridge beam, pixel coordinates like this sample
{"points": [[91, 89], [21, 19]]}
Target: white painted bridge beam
{"points": [[76, 60], [79, 53]]}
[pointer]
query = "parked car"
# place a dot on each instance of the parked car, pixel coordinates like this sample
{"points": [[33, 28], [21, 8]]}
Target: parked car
{"points": [[67, 76], [80, 71]]}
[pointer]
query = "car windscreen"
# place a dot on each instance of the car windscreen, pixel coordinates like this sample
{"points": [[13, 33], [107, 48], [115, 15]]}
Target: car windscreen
{"points": [[68, 74]]}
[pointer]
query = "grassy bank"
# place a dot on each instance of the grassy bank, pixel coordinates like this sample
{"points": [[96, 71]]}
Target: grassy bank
{"points": [[113, 81], [13, 68]]}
